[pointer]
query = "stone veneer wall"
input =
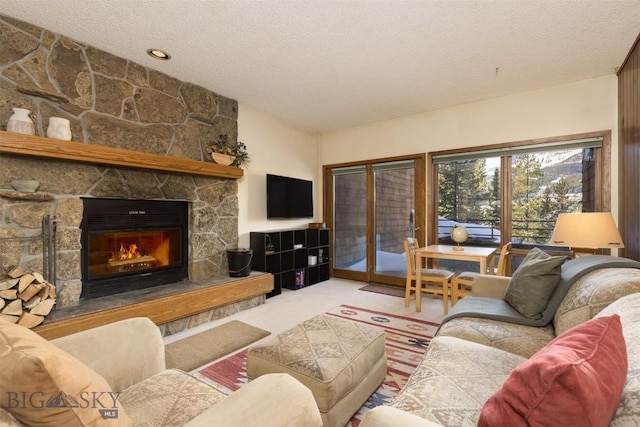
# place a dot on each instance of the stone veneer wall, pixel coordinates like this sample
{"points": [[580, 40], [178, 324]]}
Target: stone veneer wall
{"points": [[113, 102]]}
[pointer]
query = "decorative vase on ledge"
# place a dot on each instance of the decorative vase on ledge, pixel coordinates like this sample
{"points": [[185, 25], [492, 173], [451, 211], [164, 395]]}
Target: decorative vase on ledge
{"points": [[59, 128], [222, 159], [20, 122]]}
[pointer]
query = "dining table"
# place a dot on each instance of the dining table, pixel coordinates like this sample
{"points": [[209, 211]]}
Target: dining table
{"points": [[485, 256]]}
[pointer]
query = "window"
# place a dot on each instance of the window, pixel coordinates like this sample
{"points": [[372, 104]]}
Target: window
{"points": [[514, 192], [469, 195]]}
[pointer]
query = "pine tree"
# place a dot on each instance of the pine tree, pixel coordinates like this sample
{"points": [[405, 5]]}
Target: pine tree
{"points": [[564, 203], [547, 214], [494, 197], [478, 193], [456, 192], [447, 185], [527, 180], [463, 192]]}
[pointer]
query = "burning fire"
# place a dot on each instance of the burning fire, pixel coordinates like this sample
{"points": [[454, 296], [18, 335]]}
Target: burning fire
{"points": [[126, 253]]}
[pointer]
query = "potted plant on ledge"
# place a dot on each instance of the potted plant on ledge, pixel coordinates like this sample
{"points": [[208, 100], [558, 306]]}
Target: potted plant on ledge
{"points": [[225, 152]]}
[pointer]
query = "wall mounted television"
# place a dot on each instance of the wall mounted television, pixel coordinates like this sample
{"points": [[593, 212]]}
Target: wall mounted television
{"points": [[289, 197]]}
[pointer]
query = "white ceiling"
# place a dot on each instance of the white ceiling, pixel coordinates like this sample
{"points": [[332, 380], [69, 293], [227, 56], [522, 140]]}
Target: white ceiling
{"points": [[322, 65]]}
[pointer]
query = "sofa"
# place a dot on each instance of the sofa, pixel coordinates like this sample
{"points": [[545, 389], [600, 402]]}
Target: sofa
{"points": [[115, 375], [495, 369]]}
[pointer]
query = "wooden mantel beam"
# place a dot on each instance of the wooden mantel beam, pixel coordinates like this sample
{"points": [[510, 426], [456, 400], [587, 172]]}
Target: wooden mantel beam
{"points": [[28, 145]]}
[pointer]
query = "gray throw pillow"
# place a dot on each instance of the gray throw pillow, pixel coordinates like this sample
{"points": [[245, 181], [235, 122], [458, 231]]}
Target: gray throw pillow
{"points": [[533, 283]]}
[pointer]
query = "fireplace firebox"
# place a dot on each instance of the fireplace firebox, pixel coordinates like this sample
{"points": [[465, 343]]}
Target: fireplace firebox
{"points": [[132, 244]]}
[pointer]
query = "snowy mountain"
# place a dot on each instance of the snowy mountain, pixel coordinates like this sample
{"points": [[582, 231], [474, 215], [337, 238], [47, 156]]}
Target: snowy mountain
{"points": [[570, 161]]}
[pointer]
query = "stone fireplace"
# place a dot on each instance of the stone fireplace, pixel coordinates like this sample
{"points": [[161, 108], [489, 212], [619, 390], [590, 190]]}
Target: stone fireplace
{"points": [[110, 102]]}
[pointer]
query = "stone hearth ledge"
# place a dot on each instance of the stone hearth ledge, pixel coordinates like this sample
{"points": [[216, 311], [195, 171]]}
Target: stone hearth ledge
{"points": [[187, 293]]}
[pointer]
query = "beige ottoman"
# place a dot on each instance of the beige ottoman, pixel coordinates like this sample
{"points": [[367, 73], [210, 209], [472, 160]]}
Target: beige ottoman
{"points": [[340, 361]]}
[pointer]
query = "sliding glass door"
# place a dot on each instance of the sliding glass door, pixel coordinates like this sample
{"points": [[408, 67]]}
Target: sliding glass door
{"points": [[394, 216], [350, 219], [372, 207]]}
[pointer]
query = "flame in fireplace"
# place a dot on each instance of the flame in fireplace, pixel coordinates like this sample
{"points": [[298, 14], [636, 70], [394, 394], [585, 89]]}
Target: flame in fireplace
{"points": [[151, 249], [130, 252]]}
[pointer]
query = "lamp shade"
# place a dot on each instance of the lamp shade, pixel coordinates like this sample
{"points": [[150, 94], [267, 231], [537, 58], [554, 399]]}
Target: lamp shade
{"points": [[595, 230]]}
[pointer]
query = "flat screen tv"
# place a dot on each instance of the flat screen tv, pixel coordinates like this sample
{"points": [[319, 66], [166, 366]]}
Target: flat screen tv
{"points": [[289, 197]]}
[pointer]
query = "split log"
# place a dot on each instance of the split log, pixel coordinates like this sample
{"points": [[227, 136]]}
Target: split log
{"points": [[52, 290], [30, 291], [25, 281], [29, 320], [26, 297], [9, 294], [10, 319], [47, 291], [8, 284], [44, 308], [31, 303], [17, 272], [43, 294], [14, 308]]}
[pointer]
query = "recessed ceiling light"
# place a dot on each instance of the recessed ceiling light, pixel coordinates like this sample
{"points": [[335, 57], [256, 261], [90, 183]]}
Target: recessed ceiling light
{"points": [[158, 54]]}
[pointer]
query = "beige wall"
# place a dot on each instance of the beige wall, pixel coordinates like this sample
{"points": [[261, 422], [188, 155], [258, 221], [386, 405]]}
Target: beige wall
{"points": [[585, 106], [278, 149]]}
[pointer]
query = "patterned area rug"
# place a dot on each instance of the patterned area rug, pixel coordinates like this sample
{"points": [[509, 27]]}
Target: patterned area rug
{"points": [[406, 342]]}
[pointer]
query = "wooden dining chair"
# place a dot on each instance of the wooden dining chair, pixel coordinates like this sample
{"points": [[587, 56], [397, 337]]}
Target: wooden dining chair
{"points": [[436, 281], [461, 283]]}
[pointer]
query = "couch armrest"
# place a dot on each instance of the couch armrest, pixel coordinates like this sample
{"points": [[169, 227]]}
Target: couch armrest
{"points": [[123, 352], [486, 285], [8, 420], [387, 416], [272, 400]]}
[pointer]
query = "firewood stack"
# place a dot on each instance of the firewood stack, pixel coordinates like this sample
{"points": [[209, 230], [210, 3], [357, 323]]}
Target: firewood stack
{"points": [[26, 298]]}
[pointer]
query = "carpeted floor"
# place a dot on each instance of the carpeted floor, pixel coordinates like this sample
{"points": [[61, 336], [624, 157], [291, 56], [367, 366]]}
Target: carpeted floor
{"points": [[195, 351], [406, 342]]}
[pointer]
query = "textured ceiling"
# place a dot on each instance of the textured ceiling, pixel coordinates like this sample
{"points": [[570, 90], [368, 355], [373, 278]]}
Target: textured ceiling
{"points": [[321, 65]]}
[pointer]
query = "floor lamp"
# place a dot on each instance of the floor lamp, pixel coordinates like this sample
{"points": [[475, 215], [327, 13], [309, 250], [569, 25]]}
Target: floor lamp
{"points": [[586, 232]]}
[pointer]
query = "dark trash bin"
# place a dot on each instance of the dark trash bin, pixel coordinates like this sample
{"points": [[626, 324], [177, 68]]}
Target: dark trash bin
{"points": [[240, 260]]}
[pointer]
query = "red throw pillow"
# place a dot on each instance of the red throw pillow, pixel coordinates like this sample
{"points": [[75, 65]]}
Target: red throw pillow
{"points": [[575, 380]]}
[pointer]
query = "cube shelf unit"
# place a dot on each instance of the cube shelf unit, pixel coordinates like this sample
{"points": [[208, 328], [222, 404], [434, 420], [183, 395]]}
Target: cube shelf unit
{"points": [[286, 253]]}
